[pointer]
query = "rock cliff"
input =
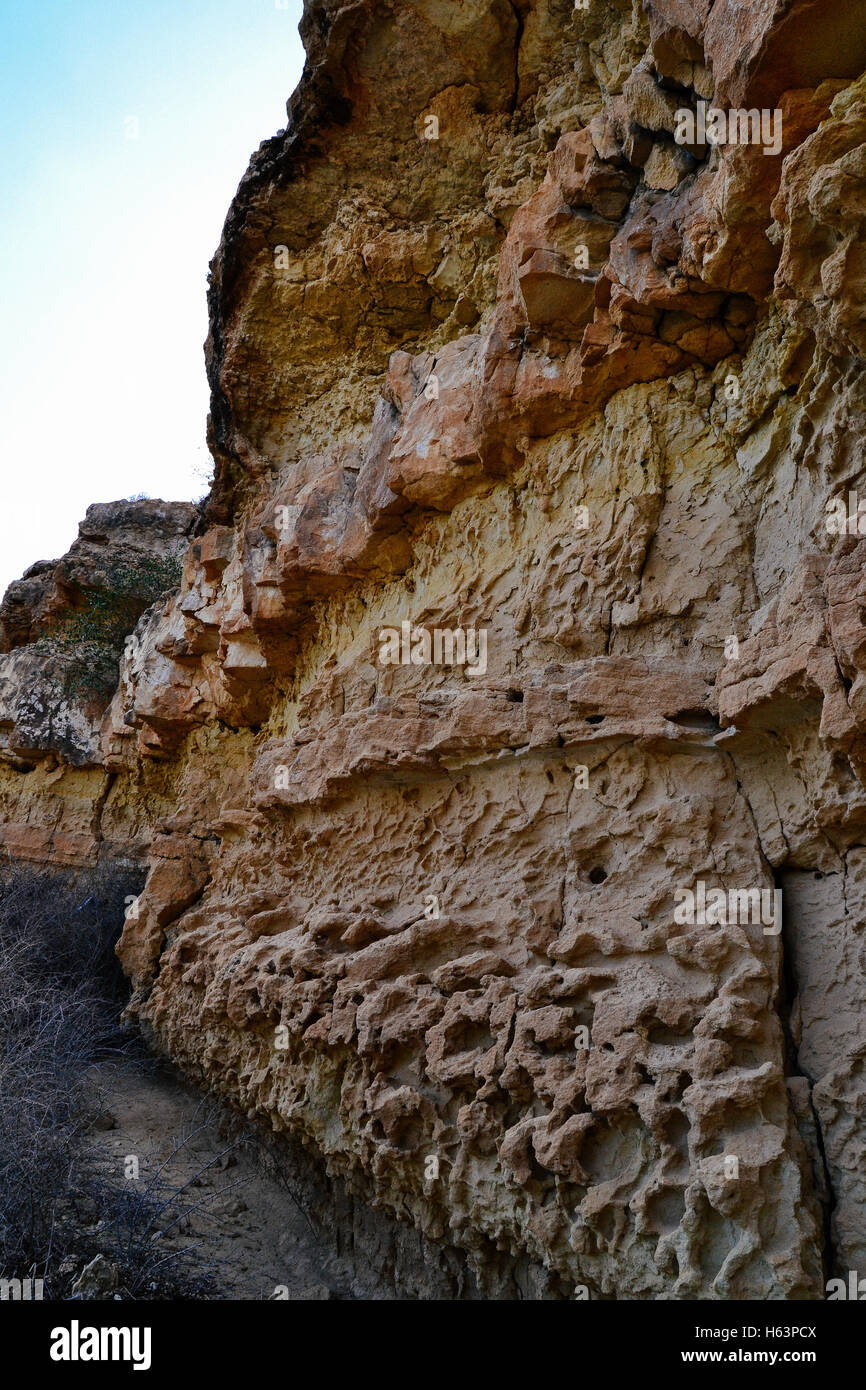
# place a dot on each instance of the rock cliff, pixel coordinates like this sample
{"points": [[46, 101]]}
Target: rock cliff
{"points": [[518, 662]]}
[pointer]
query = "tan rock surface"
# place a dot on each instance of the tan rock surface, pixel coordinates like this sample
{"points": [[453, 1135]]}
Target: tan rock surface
{"points": [[553, 379]]}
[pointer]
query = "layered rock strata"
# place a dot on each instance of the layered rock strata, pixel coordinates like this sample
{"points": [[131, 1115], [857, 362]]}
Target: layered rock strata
{"points": [[496, 357], [64, 628]]}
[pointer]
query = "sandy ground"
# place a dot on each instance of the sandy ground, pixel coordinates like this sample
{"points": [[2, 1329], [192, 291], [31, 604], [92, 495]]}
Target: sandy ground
{"points": [[261, 1236]]}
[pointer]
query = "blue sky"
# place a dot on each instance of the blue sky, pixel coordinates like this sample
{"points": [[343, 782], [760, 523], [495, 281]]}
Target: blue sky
{"points": [[124, 131]]}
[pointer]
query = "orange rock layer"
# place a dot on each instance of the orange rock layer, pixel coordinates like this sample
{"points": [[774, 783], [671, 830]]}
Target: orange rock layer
{"points": [[492, 352]]}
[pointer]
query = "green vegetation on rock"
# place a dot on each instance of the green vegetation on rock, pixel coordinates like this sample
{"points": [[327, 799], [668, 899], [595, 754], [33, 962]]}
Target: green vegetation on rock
{"points": [[91, 637]]}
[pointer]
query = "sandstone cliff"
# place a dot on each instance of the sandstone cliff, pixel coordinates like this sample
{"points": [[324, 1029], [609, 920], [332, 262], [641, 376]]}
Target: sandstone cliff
{"points": [[492, 351]]}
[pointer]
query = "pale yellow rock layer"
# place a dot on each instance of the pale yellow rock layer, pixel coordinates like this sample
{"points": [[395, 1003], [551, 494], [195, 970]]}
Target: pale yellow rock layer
{"points": [[425, 920]]}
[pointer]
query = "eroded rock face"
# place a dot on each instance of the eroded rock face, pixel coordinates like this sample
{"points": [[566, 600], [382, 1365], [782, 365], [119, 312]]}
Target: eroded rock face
{"points": [[63, 627], [560, 388]]}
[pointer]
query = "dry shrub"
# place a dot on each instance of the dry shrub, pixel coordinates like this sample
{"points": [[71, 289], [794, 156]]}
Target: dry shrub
{"points": [[62, 994]]}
